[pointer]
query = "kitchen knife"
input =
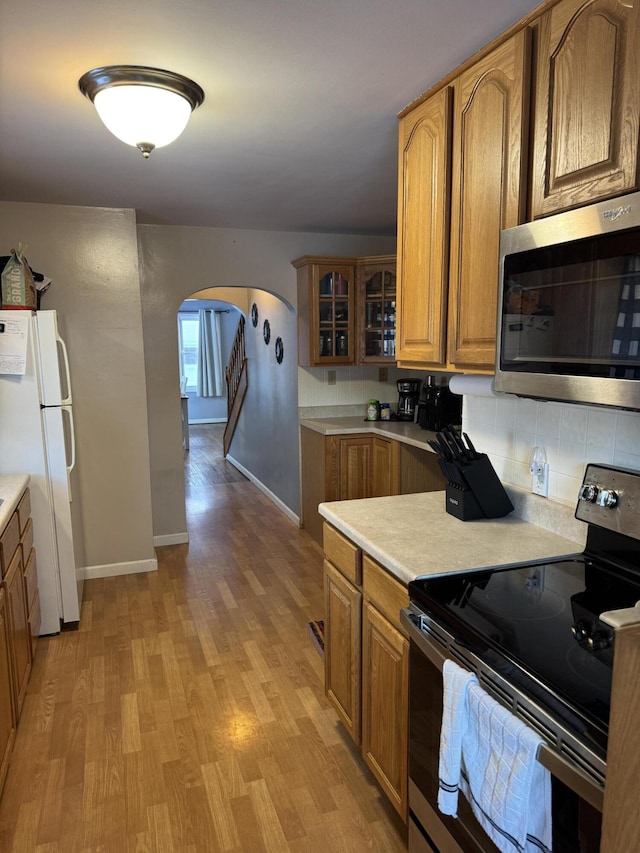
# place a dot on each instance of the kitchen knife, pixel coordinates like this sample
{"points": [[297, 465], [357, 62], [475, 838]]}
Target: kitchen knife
{"points": [[434, 446], [452, 445], [454, 438], [470, 445], [447, 450]]}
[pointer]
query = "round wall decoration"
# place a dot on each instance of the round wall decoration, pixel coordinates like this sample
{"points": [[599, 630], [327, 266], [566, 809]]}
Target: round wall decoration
{"points": [[254, 314], [266, 331], [279, 350]]}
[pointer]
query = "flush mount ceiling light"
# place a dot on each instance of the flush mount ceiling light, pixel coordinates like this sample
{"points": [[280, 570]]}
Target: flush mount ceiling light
{"points": [[144, 107]]}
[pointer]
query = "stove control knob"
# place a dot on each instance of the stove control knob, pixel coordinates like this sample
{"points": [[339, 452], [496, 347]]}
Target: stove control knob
{"points": [[599, 640], [580, 631], [607, 498], [589, 493]]}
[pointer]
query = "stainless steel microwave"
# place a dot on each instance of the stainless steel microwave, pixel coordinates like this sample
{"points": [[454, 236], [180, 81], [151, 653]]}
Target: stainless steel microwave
{"points": [[569, 306]]}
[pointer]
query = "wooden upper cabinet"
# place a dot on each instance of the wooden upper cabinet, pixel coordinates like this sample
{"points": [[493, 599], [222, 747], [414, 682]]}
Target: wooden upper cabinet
{"points": [[376, 309], [423, 229], [586, 104], [326, 311], [488, 192]]}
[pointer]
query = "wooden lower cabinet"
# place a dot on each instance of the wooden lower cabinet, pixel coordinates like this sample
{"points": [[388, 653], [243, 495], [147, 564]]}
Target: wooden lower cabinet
{"points": [[368, 467], [19, 634], [342, 621], [367, 659], [19, 621], [385, 682], [347, 467], [7, 710]]}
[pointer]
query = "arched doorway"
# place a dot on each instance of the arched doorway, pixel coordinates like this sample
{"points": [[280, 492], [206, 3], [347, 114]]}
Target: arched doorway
{"points": [[265, 446]]}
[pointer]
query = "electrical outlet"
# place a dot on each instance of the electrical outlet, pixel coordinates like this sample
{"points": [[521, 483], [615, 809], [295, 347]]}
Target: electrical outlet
{"points": [[331, 377], [539, 468], [383, 374], [540, 481]]}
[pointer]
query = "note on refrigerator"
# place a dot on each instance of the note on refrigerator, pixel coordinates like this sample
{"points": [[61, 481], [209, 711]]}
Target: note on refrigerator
{"points": [[14, 335]]}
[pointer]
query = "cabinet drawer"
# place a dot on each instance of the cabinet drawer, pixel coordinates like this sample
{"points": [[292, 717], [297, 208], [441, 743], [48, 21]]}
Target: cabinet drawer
{"points": [[26, 540], [383, 590], [343, 554], [9, 541], [24, 510], [31, 578]]}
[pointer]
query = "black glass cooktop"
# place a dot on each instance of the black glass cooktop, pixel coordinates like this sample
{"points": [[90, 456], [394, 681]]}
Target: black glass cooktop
{"points": [[539, 626]]}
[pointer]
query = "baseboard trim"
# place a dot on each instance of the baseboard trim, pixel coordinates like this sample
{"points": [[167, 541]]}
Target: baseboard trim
{"points": [[171, 539], [265, 491], [207, 421], [114, 569]]}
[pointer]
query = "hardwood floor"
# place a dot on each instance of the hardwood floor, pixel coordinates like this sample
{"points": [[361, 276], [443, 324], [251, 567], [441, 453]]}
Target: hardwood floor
{"points": [[187, 713]]}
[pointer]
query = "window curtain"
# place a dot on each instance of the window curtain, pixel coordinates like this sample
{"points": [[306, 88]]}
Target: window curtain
{"points": [[210, 378]]}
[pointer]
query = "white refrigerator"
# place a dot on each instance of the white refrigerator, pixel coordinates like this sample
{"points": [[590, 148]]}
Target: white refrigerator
{"points": [[37, 437]]}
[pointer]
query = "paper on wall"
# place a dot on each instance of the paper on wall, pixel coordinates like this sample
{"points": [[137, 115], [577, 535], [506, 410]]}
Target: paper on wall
{"points": [[14, 335]]}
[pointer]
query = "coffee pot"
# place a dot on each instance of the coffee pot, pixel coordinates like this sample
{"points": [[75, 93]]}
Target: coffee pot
{"points": [[408, 391]]}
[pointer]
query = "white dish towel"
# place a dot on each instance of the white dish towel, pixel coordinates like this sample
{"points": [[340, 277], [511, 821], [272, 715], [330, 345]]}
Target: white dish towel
{"points": [[490, 755]]}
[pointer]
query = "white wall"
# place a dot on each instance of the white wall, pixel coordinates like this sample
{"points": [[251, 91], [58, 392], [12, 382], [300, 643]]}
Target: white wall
{"points": [[92, 256], [508, 427], [175, 262], [265, 442]]}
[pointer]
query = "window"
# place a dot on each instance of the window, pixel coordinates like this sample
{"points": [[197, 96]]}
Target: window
{"points": [[188, 330]]}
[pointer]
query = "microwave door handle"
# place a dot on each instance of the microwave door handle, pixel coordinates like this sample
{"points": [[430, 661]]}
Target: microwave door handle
{"points": [[67, 374]]}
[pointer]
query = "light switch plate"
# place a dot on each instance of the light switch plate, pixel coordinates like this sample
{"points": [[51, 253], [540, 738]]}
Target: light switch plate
{"points": [[331, 377], [383, 374]]}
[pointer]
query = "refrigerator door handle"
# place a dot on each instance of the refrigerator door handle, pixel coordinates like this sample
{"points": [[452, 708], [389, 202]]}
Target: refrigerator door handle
{"points": [[70, 464], [65, 358]]}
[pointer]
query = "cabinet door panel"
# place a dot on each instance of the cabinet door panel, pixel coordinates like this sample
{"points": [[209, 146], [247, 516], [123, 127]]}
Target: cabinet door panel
{"points": [[489, 157], [385, 656], [7, 713], [20, 638], [342, 647], [376, 307], [356, 468], [385, 468], [423, 223], [586, 104]]}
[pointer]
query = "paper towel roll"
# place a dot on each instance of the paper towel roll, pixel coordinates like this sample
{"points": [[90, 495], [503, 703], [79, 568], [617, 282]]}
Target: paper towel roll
{"points": [[474, 386]]}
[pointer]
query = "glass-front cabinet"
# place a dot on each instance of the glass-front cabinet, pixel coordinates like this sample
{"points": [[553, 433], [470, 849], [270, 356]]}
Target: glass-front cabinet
{"points": [[326, 311], [377, 317], [346, 310]]}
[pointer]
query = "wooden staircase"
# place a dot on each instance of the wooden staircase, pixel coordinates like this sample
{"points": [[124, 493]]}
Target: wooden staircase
{"points": [[237, 380]]}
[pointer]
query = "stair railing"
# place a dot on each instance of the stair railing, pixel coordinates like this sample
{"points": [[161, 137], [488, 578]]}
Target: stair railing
{"points": [[236, 377]]}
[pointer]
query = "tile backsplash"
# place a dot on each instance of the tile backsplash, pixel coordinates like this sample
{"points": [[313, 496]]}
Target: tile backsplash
{"points": [[507, 428]]}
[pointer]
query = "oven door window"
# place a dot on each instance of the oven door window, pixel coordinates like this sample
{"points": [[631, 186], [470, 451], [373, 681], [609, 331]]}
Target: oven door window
{"points": [[572, 309], [576, 825]]}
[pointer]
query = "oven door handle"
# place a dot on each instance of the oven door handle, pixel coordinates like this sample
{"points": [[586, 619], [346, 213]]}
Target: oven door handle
{"points": [[572, 777], [427, 648]]}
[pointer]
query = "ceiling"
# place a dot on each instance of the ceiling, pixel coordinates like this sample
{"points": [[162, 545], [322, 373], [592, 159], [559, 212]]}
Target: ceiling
{"points": [[298, 130]]}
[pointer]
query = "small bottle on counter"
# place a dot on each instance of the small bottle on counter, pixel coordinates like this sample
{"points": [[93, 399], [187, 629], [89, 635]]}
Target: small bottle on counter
{"points": [[373, 410], [385, 412]]}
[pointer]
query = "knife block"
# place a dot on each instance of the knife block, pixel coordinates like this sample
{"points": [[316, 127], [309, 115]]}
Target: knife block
{"points": [[462, 503], [480, 493]]}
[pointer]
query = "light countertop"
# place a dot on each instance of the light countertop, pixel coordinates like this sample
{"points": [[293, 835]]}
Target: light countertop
{"points": [[404, 431], [12, 487], [413, 535]]}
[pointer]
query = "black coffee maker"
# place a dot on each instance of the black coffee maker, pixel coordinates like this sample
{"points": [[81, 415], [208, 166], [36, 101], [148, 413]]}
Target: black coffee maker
{"points": [[437, 406], [409, 391]]}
